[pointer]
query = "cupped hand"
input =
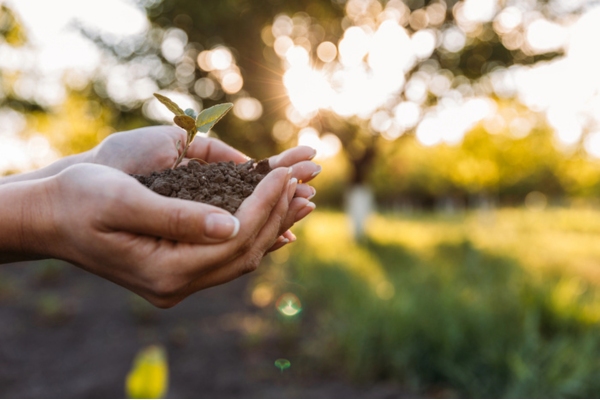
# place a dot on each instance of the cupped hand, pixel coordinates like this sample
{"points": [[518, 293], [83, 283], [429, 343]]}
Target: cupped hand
{"points": [[144, 150], [162, 248]]}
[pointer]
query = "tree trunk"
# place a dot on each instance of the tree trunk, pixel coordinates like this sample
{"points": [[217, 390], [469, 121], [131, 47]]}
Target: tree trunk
{"points": [[359, 198]]}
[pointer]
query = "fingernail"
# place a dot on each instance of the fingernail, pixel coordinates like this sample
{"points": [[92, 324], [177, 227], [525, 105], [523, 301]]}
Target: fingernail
{"points": [[307, 209], [221, 226], [293, 183], [313, 155], [273, 161], [292, 237], [317, 172], [290, 170], [314, 191]]}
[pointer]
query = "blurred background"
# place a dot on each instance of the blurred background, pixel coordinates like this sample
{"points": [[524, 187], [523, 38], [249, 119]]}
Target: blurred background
{"points": [[455, 251]]}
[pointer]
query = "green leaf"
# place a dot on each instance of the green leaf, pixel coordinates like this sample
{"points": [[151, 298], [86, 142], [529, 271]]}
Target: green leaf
{"points": [[174, 108], [282, 364], [185, 121], [190, 112], [209, 117]]}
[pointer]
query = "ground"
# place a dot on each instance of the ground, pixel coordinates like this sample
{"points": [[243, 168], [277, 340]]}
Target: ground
{"points": [[69, 334]]}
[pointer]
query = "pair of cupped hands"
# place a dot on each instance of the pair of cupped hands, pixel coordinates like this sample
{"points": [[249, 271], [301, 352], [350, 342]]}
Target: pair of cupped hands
{"points": [[96, 216]]}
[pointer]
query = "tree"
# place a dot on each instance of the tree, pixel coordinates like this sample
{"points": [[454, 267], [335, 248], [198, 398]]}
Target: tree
{"points": [[366, 70]]}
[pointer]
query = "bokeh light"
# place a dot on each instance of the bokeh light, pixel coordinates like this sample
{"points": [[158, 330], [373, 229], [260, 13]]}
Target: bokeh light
{"points": [[247, 108], [173, 44], [536, 201], [288, 305], [262, 295], [327, 52]]}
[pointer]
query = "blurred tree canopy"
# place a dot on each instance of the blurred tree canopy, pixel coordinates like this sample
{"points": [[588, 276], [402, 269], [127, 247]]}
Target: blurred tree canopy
{"points": [[245, 33], [437, 53]]}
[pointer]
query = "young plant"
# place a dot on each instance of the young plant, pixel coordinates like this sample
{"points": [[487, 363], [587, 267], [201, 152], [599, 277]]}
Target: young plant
{"points": [[192, 123]]}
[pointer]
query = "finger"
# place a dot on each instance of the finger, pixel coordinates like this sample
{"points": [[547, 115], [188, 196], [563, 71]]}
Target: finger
{"points": [[292, 156], [257, 210], [214, 150], [281, 241], [296, 205], [304, 211], [249, 260], [290, 236], [253, 214], [305, 171], [287, 237], [139, 210], [176, 133], [306, 191]]}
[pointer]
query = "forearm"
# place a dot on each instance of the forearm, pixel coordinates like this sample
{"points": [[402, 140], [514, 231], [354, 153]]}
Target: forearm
{"points": [[48, 171], [26, 227]]}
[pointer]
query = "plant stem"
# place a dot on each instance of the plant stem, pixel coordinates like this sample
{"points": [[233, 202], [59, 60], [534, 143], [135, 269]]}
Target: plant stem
{"points": [[180, 158], [188, 142]]}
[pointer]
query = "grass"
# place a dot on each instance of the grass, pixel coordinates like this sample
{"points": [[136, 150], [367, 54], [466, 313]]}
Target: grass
{"points": [[497, 304]]}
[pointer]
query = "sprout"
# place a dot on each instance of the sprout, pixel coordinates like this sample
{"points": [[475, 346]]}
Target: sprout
{"points": [[191, 123], [282, 364]]}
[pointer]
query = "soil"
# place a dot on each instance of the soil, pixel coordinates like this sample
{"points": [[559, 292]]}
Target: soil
{"points": [[222, 184]]}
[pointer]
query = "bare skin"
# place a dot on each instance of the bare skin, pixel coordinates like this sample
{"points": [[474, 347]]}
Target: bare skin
{"points": [[164, 249]]}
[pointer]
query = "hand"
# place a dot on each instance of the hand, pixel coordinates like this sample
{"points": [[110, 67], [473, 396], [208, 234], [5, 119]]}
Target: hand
{"points": [[144, 150], [162, 248]]}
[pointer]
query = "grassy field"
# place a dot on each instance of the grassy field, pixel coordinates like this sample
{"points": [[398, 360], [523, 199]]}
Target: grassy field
{"points": [[503, 303]]}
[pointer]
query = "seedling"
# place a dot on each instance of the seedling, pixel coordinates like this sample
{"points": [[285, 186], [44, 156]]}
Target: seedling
{"points": [[192, 123], [282, 364]]}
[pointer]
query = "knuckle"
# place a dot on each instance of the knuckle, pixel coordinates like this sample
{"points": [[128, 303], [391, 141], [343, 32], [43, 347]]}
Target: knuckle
{"points": [[178, 222], [246, 246], [165, 289], [251, 264]]}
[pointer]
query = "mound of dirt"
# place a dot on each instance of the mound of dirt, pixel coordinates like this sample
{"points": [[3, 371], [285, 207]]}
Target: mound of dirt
{"points": [[222, 184]]}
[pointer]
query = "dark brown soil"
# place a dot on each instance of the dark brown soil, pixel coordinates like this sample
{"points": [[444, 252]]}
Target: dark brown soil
{"points": [[222, 184]]}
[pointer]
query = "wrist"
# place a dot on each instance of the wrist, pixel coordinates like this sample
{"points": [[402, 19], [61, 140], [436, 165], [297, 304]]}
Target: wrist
{"points": [[28, 230], [49, 170]]}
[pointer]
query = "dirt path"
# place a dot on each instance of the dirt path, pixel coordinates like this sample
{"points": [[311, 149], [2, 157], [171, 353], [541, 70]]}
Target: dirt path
{"points": [[66, 333]]}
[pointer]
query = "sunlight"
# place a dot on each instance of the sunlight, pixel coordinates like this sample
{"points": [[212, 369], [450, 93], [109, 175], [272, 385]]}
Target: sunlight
{"points": [[327, 145], [308, 89], [544, 36], [362, 73], [247, 109], [568, 102], [354, 46], [592, 144]]}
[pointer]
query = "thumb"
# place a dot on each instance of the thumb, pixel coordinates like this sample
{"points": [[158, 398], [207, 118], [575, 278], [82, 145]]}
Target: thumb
{"points": [[144, 212]]}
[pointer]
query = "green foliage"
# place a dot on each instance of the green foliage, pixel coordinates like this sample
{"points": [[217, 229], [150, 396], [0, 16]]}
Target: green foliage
{"points": [[282, 364], [210, 116], [506, 167], [11, 29], [464, 305]]}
